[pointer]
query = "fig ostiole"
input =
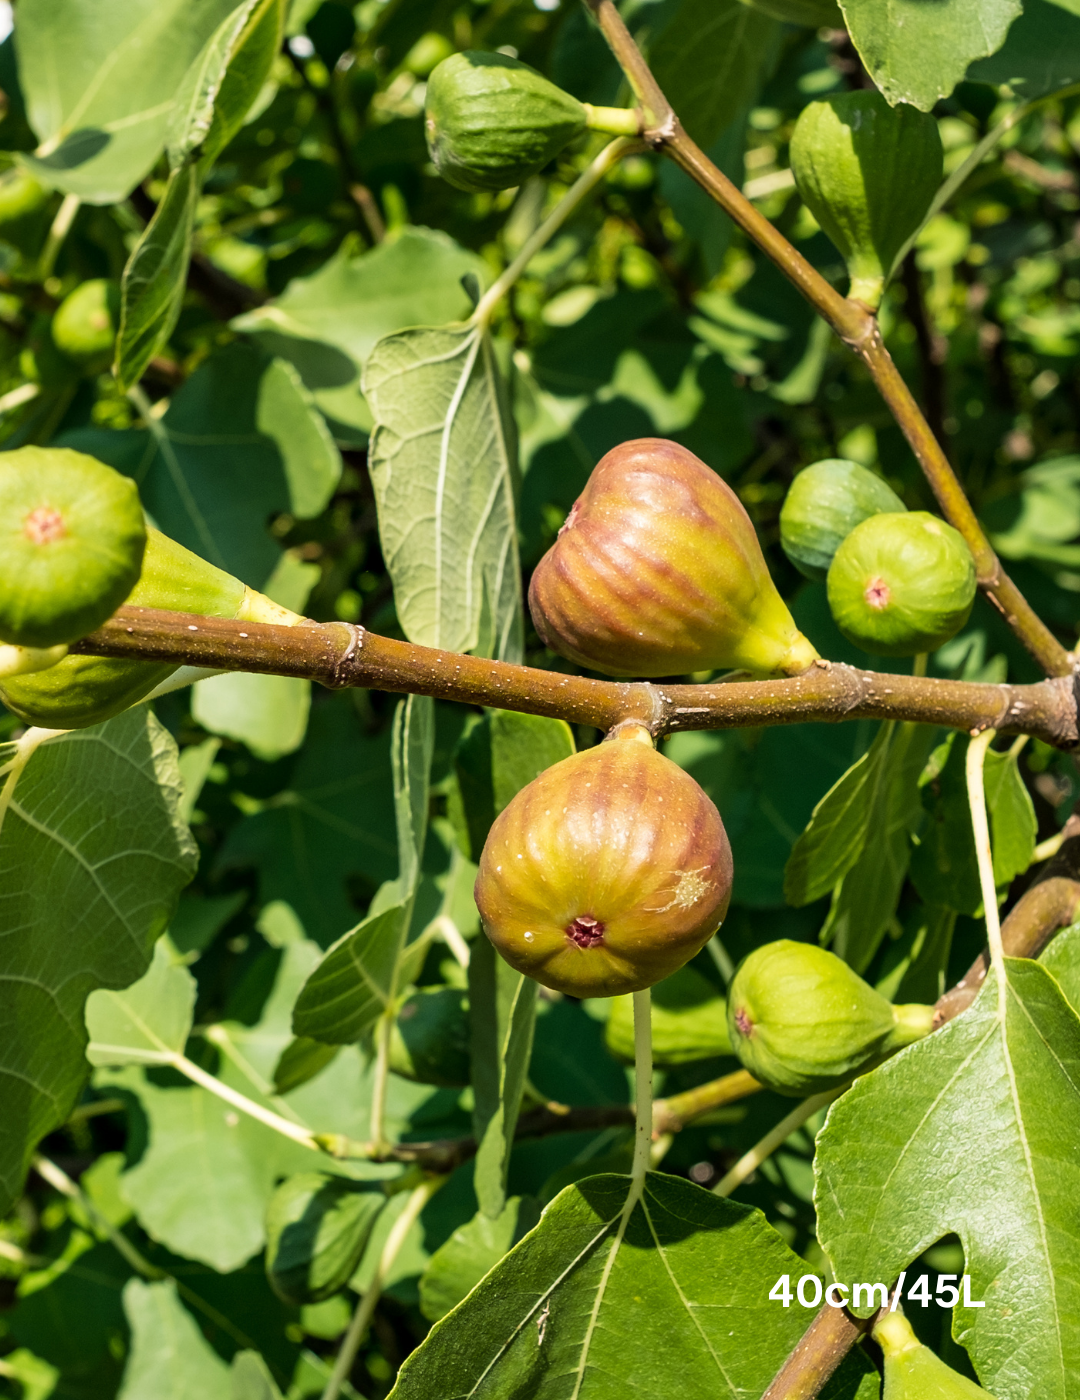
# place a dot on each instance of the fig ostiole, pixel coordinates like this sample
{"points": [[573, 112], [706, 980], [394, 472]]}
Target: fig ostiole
{"points": [[802, 1022], [657, 571], [913, 1371], [868, 173], [72, 537], [81, 691], [901, 584], [823, 505], [492, 122], [606, 873]]}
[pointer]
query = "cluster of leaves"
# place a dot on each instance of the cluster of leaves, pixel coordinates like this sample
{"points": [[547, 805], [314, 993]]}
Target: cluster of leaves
{"points": [[257, 177]]}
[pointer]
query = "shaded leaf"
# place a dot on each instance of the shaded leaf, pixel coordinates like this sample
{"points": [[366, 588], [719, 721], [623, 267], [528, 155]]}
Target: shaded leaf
{"points": [[917, 52], [100, 84], [251, 1378], [147, 1023], [1061, 958], [972, 1127], [474, 1248], [169, 1358], [1041, 53], [267, 713], [443, 460], [93, 855]]}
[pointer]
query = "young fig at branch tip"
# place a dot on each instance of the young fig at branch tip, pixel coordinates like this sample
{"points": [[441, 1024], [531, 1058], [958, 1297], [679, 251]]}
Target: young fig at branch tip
{"points": [[823, 505], [606, 873], [913, 1371], [317, 1228], [84, 690], [72, 538], [657, 571], [802, 1022], [868, 173], [903, 584]]}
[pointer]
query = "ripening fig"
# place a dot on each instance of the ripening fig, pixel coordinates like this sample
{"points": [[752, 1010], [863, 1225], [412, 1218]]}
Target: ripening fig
{"points": [[901, 584], [823, 505], [317, 1227], [657, 571], [429, 1040], [72, 537], [607, 872], [801, 1021], [868, 173], [492, 122], [85, 324], [913, 1371], [84, 690]]}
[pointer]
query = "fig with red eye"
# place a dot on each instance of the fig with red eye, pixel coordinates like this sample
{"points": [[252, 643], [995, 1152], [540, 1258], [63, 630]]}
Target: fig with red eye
{"points": [[606, 873]]}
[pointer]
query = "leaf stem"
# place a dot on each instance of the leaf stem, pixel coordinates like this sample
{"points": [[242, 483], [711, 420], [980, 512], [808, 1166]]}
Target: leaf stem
{"points": [[266, 1116], [361, 1319], [59, 1180], [749, 1162], [643, 1094], [61, 227], [976, 758], [591, 176], [383, 1030]]}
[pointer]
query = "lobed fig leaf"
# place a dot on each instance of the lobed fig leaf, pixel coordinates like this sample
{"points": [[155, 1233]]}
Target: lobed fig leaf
{"points": [[868, 173], [901, 584], [607, 872], [429, 1041], [823, 505], [913, 1371], [801, 1021], [72, 538], [492, 122], [84, 690], [317, 1228], [657, 571]]}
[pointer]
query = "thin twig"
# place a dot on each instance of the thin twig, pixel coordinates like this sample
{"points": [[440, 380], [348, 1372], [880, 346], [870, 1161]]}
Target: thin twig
{"points": [[749, 1162]]}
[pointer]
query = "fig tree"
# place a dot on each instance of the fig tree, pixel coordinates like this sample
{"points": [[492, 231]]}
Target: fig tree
{"points": [[607, 872], [913, 1371], [868, 173], [72, 537], [823, 505], [492, 122], [84, 690], [801, 1021], [85, 324], [317, 1227], [429, 1042], [901, 584], [657, 571]]}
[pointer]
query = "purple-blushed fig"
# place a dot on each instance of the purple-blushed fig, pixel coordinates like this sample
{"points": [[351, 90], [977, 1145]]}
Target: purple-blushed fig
{"points": [[607, 872], [657, 571]]}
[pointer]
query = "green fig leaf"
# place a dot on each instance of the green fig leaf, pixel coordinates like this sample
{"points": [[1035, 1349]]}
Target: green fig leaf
{"points": [[1061, 958], [1040, 55], [251, 1378], [105, 871], [147, 1023], [916, 52], [169, 1357], [689, 1282], [443, 461], [472, 1251], [974, 1125]]}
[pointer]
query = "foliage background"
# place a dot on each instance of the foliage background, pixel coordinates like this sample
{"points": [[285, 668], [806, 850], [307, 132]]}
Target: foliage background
{"points": [[323, 227]]}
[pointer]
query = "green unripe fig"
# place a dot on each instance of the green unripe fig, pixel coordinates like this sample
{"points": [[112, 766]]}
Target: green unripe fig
{"points": [[492, 122], [657, 571], [868, 173], [72, 537], [901, 584], [21, 196], [689, 1021], [427, 53], [429, 1041], [317, 1228], [817, 13], [824, 504], [607, 872], [801, 1021], [85, 324], [913, 1372], [85, 690]]}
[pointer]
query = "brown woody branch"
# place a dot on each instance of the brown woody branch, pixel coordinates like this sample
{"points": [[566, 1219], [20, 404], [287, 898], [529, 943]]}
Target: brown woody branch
{"points": [[338, 654], [819, 1351], [854, 323]]}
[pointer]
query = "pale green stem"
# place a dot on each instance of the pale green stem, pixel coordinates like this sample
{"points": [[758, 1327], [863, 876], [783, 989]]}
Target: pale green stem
{"points": [[722, 958], [1045, 849], [586, 181], [245, 1105], [219, 1036], [749, 1162], [976, 757], [28, 745], [366, 1308], [60, 1181], [61, 226], [918, 663], [15, 398], [615, 121], [383, 1031], [643, 1096]]}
